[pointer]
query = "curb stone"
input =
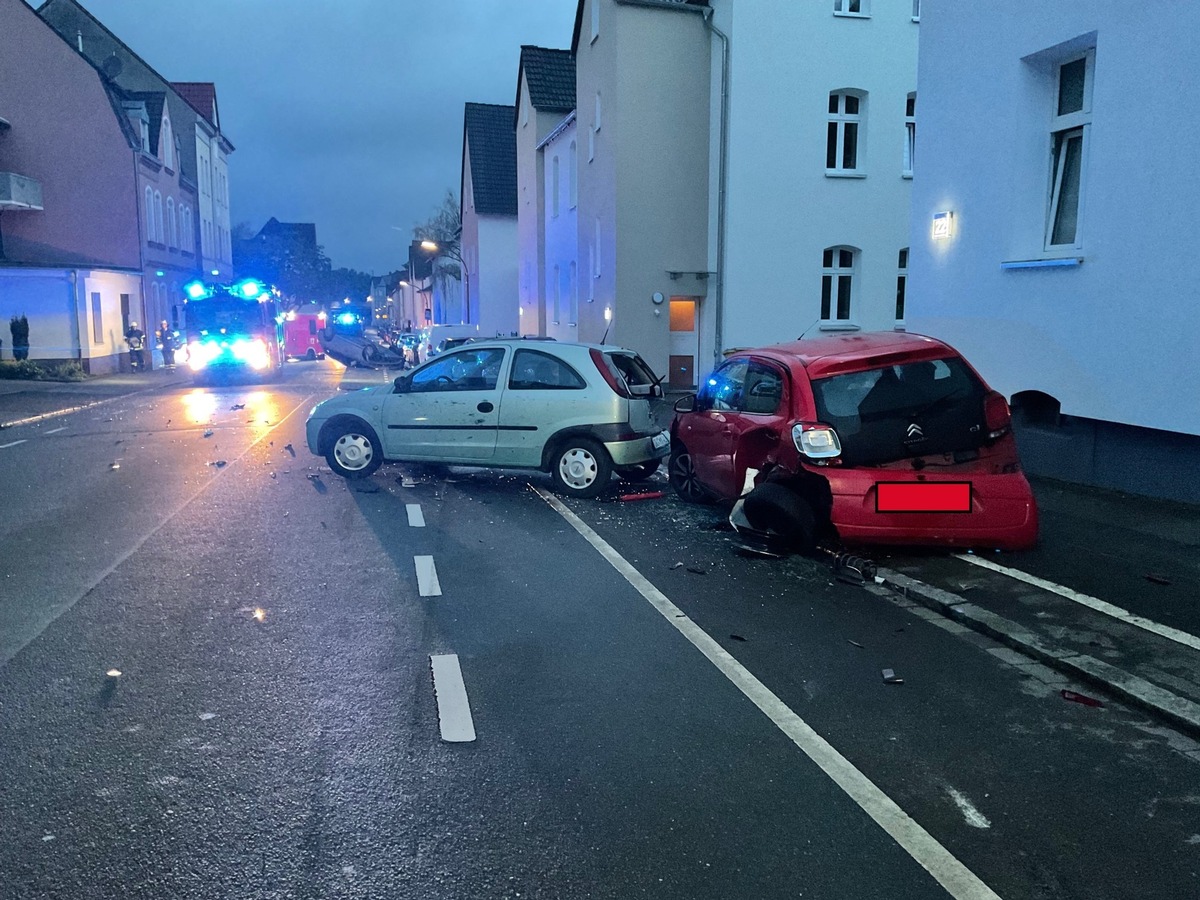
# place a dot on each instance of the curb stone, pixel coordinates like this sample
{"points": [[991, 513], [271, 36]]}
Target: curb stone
{"points": [[1179, 710]]}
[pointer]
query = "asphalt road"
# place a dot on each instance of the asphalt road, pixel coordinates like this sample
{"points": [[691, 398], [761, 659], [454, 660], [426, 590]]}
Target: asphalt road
{"points": [[655, 715]]}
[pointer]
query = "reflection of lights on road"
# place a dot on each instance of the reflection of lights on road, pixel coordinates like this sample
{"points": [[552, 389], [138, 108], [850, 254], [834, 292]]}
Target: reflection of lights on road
{"points": [[199, 406]]}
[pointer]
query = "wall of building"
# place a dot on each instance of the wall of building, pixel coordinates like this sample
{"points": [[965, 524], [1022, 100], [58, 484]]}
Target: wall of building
{"points": [[783, 209], [532, 127], [1112, 339], [494, 291], [562, 236]]}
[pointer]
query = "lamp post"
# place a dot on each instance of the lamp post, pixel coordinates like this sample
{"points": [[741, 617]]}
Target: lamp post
{"points": [[452, 252]]}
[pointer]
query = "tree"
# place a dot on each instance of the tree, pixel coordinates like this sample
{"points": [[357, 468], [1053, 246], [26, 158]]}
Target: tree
{"points": [[444, 229]]}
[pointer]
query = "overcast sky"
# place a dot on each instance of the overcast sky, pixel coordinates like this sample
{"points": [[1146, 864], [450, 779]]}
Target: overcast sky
{"points": [[346, 113]]}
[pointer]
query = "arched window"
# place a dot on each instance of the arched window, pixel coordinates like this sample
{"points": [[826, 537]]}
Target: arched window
{"points": [[847, 116], [554, 187], [573, 177], [838, 266], [172, 234], [158, 217], [149, 214]]}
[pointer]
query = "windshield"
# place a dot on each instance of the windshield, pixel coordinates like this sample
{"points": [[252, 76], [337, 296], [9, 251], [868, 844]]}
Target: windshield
{"points": [[217, 315], [901, 411]]}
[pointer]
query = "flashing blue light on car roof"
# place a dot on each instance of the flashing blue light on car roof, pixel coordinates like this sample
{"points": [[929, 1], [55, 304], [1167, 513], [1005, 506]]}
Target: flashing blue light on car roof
{"points": [[196, 289], [250, 288], [347, 318]]}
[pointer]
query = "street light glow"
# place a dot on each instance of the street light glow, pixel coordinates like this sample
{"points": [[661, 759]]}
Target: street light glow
{"points": [[429, 245]]}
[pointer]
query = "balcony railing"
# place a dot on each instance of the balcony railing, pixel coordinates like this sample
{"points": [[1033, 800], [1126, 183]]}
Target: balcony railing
{"points": [[19, 192]]}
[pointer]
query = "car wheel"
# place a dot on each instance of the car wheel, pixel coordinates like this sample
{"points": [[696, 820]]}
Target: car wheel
{"points": [[354, 451], [640, 472], [581, 468], [681, 473], [780, 510], [311, 354]]}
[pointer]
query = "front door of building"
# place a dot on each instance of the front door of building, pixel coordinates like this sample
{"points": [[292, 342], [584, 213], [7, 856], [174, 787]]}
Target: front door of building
{"points": [[684, 343]]}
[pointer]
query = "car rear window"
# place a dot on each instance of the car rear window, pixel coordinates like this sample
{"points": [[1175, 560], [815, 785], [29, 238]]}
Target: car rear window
{"points": [[639, 378], [536, 371], [901, 411]]}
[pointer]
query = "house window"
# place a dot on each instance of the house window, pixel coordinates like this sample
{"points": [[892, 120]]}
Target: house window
{"points": [[596, 254], [171, 232], [851, 7], [916, 16], [557, 296], [167, 143], [572, 178], [595, 19], [97, 319], [596, 126], [554, 188], [843, 132], [149, 214], [901, 283], [1068, 150], [910, 134], [837, 278], [573, 294], [158, 218]]}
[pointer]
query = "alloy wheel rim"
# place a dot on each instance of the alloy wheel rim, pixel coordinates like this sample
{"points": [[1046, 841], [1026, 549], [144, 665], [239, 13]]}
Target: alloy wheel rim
{"points": [[353, 451], [685, 475], [578, 468]]}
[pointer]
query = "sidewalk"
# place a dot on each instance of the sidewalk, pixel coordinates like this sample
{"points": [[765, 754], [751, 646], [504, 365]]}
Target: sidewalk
{"points": [[22, 402]]}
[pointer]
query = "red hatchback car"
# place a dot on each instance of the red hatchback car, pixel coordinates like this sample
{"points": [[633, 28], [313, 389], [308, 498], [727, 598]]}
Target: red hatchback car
{"points": [[887, 438]]}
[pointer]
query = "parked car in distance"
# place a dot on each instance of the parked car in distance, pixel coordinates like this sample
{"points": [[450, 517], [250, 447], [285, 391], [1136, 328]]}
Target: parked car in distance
{"points": [[578, 411], [884, 438], [435, 334]]}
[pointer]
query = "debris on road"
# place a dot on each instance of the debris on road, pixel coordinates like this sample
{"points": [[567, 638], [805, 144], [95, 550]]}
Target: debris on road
{"points": [[238, 406], [677, 565], [220, 463], [1157, 579], [737, 637], [115, 465], [647, 495], [856, 644], [290, 449], [208, 433], [697, 571], [1075, 697], [890, 677], [113, 673]]}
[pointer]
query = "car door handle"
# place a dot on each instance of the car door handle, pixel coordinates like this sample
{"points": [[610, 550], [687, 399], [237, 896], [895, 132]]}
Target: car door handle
{"points": [[485, 406]]}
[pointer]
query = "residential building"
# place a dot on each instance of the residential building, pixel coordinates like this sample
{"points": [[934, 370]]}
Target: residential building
{"points": [[488, 243], [1043, 227], [70, 249], [192, 108], [643, 95], [816, 173], [560, 237], [545, 96]]}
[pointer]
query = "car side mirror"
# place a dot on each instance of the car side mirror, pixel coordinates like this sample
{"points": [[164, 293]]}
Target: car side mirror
{"points": [[402, 384], [686, 404]]}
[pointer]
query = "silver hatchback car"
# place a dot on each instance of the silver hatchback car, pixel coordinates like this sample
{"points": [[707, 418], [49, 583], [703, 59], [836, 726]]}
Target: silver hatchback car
{"points": [[577, 411]]}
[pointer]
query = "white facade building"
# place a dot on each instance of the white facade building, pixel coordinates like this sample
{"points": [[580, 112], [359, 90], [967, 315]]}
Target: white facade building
{"points": [[818, 167], [561, 192], [1056, 275]]}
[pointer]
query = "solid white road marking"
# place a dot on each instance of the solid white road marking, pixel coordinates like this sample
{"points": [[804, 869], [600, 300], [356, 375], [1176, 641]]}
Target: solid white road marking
{"points": [[454, 711], [959, 881], [416, 518], [13, 444], [427, 580], [54, 430], [974, 817], [1172, 634]]}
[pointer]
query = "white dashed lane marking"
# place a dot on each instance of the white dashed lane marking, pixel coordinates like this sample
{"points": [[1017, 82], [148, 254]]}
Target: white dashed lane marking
{"points": [[454, 710], [416, 518], [427, 580], [12, 444], [54, 430]]}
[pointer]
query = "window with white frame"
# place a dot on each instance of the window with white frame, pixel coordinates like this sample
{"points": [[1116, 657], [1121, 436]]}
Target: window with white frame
{"points": [[844, 132], [837, 280], [1068, 150], [572, 295], [158, 218], [596, 119], [851, 7], [554, 188], [172, 234], [916, 16], [596, 252], [901, 283], [910, 134], [591, 281], [572, 177], [557, 297], [595, 19], [149, 214]]}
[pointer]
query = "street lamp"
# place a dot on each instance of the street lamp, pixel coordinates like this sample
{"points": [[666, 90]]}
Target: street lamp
{"points": [[452, 252]]}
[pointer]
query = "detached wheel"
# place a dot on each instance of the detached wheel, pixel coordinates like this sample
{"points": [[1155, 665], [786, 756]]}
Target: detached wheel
{"points": [[580, 468], [780, 510], [640, 472], [354, 451], [681, 473]]}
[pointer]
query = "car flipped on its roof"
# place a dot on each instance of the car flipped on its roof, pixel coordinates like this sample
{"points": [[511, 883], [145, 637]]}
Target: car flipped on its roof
{"points": [[887, 438], [578, 411]]}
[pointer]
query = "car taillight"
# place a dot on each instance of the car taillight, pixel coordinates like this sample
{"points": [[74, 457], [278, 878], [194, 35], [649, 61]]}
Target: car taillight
{"points": [[816, 440], [617, 384], [996, 415]]}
